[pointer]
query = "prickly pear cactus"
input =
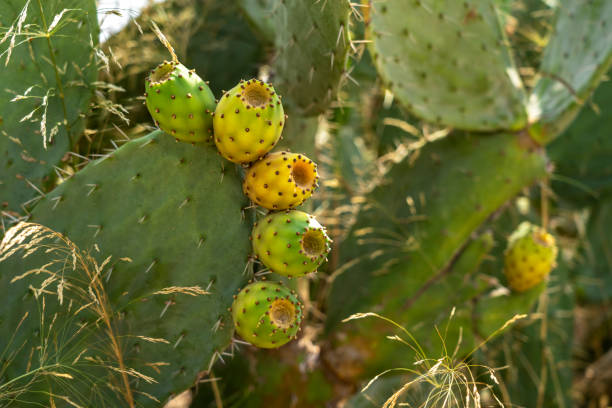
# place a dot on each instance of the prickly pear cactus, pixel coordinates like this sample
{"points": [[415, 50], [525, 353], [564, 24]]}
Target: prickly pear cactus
{"points": [[281, 180], [312, 41], [248, 121], [267, 314], [434, 76], [290, 243], [416, 114], [150, 203], [180, 102], [41, 104], [406, 236]]}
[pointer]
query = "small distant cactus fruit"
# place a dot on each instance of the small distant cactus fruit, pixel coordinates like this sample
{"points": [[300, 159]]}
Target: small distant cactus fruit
{"points": [[248, 121], [180, 102], [530, 256], [281, 180], [290, 243], [267, 314]]}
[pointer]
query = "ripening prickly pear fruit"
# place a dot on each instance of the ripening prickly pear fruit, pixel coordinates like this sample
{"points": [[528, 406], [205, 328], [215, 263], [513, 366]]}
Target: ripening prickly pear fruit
{"points": [[267, 314], [290, 243], [180, 102], [248, 121], [530, 256], [281, 180]]}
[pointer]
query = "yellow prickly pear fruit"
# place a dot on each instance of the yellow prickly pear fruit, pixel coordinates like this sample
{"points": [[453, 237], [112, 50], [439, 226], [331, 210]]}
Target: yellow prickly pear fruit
{"points": [[281, 180], [530, 256], [248, 121]]}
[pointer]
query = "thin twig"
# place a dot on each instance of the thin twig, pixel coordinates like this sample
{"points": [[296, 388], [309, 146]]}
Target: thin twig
{"points": [[216, 392]]}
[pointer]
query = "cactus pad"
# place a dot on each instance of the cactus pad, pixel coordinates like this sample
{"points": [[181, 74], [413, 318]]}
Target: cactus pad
{"points": [[248, 121], [406, 237], [267, 314], [530, 256], [290, 243], [312, 40], [463, 76], [180, 102], [150, 202], [583, 152], [575, 60], [281, 180], [37, 131]]}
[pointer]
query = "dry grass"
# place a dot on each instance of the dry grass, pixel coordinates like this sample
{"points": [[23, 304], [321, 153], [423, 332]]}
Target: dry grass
{"points": [[78, 325], [444, 382]]}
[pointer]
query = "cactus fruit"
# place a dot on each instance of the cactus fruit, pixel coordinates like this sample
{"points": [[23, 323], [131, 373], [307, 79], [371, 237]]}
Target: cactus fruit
{"points": [[281, 180], [290, 243], [180, 102], [530, 256], [267, 314], [248, 121]]}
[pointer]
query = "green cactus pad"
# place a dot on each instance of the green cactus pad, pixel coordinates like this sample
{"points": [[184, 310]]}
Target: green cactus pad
{"points": [[267, 314], [180, 102], [463, 76], [312, 41], [248, 121], [530, 256], [583, 169], [575, 60], [30, 147], [149, 203], [290, 243]]}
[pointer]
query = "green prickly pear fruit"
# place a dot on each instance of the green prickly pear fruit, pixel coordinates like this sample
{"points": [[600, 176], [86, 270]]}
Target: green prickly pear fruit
{"points": [[530, 256], [248, 121], [180, 102], [290, 243], [281, 180], [267, 314]]}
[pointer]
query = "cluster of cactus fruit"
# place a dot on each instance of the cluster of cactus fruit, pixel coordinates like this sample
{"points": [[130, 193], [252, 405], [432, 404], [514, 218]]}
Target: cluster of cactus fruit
{"points": [[245, 125]]}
